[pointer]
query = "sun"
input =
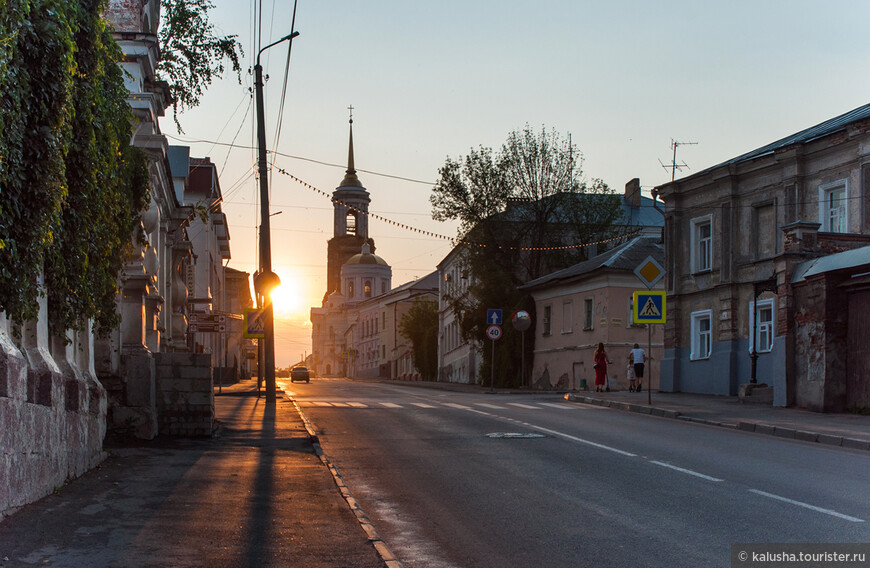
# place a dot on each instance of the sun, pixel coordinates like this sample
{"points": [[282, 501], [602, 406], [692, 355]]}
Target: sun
{"points": [[287, 298]]}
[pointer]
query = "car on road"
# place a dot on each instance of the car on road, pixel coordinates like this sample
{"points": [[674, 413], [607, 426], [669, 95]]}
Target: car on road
{"points": [[300, 374]]}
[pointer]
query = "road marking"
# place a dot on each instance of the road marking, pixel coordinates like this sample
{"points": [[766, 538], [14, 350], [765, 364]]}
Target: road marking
{"points": [[557, 405], [485, 405], [459, 406], [581, 440], [520, 405], [390, 405], [688, 471], [807, 506], [422, 405], [318, 403], [357, 405]]}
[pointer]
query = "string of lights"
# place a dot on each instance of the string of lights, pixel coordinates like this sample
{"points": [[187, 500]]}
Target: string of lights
{"points": [[434, 235]]}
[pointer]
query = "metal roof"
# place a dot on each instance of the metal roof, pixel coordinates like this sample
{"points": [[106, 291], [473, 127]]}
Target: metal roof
{"points": [[839, 261], [626, 257], [826, 128]]}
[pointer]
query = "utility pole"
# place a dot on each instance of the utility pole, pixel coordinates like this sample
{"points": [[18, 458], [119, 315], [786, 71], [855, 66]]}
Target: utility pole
{"points": [[266, 280]]}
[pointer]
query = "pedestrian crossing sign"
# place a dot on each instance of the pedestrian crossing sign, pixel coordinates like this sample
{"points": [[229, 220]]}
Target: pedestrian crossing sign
{"points": [[255, 323], [648, 306]]}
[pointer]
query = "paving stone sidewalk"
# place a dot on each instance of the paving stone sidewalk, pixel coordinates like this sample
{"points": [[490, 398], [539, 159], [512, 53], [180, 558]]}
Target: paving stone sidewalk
{"points": [[256, 494]]}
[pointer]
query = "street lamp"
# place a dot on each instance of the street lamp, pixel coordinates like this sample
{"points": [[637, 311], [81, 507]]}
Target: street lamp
{"points": [[268, 279]]}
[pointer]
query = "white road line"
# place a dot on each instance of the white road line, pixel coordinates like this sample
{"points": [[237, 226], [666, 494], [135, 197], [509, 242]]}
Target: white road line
{"points": [[485, 405], [561, 406], [688, 471], [520, 405], [581, 440], [357, 405], [807, 506], [317, 403], [459, 406], [390, 405], [422, 405]]}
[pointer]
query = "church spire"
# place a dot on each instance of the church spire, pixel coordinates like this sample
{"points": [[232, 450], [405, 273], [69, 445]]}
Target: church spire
{"points": [[350, 178]]}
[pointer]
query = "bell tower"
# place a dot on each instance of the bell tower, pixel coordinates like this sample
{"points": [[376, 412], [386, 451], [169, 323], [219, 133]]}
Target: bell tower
{"points": [[350, 225]]}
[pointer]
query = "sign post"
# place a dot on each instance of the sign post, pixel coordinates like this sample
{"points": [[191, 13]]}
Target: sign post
{"points": [[493, 332], [521, 321], [649, 307]]}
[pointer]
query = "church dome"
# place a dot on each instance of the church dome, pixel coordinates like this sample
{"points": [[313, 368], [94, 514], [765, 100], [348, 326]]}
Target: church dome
{"points": [[366, 257]]}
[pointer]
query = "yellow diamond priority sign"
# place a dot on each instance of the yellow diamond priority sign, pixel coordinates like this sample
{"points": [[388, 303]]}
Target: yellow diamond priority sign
{"points": [[649, 271], [649, 306], [255, 323]]}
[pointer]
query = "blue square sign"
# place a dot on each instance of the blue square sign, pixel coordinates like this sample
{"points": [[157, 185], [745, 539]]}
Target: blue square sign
{"points": [[493, 317], [649, 306]]}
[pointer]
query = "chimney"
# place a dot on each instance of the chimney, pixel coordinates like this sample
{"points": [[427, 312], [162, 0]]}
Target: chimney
{"points": [[632, 192]]}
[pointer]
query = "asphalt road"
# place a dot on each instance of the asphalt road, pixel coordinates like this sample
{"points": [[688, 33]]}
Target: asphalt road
{"points": [[495, 480]]}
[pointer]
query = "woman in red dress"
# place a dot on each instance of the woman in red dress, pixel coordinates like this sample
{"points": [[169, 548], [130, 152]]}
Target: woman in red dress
{"points": [[600, 368]]}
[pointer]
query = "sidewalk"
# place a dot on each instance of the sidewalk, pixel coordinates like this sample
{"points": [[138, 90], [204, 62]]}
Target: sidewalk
{"points": [[256, 494], [846, 430]]}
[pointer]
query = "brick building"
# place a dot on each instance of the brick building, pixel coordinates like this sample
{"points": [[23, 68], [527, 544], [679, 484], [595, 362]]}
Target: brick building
{"points": [[738, 240]]}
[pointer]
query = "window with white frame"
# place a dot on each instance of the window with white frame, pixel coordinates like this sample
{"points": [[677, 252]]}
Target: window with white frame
{"points": [[833, 213], [763, 319], [702, 244], [588, 315], [567, 316], [548, 314], [702, 334]]}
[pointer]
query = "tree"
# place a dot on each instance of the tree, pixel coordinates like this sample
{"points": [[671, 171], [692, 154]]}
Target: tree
{"points": [[523, 212], [191, 54], [420, 326]]}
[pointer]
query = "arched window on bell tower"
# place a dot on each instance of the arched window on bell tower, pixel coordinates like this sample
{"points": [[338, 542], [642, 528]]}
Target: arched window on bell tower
{"points": [[350, 223]]}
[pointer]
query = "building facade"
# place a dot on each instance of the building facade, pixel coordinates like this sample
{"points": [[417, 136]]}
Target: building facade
{"points": [[735, 235], [591, 303]]}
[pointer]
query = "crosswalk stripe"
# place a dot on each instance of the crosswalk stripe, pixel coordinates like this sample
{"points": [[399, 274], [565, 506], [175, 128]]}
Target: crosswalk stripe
{"points": [[485, 405], [557, 405], [422, 405], [520, 405], [391, 405], [459, 406], [357, 405]]}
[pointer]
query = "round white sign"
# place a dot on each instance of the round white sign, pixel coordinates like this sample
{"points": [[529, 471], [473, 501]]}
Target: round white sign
{"points": [[493, 332]]}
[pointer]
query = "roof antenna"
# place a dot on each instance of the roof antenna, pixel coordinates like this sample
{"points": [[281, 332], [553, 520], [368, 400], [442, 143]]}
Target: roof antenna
{"points": [[674, 166]]}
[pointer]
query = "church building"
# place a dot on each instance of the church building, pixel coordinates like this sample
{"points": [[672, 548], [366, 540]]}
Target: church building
{"points": [[354, 274]]}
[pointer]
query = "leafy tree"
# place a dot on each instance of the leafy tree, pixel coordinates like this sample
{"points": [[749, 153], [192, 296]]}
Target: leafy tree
{"points": [[420, 326], [524, 212], [191, 54]]}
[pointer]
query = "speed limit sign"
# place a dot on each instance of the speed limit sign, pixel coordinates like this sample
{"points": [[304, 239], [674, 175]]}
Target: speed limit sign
{"points": [[493, 332]]}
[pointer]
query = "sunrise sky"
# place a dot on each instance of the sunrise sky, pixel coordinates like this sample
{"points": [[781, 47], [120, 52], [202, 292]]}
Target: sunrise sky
{"points": [[429, 80]]}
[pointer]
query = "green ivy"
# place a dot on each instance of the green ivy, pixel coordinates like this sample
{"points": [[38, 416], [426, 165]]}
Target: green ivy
{"points": [[71, 186]]}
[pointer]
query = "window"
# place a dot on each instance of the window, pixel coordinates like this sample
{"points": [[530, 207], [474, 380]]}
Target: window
{"points": [[588, 315], [832, 207], [702, 244], [763, 326], [548, 313], [368, 289], [350, 288], [350, 221], [567, 316], [701, 334]]}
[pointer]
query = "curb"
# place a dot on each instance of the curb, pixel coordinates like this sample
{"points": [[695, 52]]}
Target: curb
{"points": [[755, 427], [390, 561]]}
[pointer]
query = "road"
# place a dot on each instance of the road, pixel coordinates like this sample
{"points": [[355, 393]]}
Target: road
{"points": [[473, 479]]}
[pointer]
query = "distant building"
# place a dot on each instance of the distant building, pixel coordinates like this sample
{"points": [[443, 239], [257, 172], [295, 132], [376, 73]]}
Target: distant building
{"points": [[459, 358], [354, 275], [590, 303], [743, 242]]}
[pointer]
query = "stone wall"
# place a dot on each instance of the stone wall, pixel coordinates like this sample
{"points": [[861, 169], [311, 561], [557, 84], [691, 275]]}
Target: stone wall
{"points": [[185, 394], [52, 423]]}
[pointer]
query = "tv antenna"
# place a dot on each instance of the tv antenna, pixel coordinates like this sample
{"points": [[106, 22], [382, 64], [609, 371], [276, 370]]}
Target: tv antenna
{"points": [[674, 166]]}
